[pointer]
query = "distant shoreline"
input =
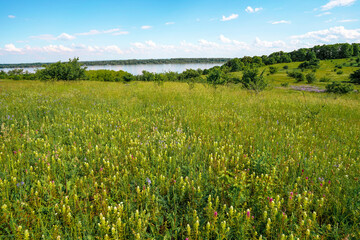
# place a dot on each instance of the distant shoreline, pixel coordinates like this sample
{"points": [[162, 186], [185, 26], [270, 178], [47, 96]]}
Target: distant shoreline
{"points": [[125, 62]]}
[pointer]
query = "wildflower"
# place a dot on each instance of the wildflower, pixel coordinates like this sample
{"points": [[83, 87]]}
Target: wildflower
{"points": [[248, 213], [215, 214], [148, 181]]}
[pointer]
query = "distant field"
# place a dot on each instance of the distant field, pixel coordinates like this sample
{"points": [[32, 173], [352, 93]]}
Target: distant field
{"points": [[326, 70], [95, 160]]}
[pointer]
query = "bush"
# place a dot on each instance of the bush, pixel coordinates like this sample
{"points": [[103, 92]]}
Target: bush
{"points": [[286, 84], [310, 77], [312, 64], [286, 67], [339, 72], [71, 70], [299, 77], [340, 88], [325, 79], [273, 70], [253, 81], [215, 78], [355, 77]]}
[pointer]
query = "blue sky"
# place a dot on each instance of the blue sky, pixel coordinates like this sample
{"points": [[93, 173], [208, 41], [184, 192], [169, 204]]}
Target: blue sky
{"points": [[41, 31]]}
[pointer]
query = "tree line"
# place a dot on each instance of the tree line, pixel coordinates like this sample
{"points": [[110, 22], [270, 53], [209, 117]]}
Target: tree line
{"points": [[127, 62]]}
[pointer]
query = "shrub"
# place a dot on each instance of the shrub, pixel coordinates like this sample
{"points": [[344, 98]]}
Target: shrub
{"points": [[71, 70], [312, 64], [339, 72], [299, 77], [325, 79], [252, 80], [340, 88], [273, 70], [215, 78], [286, 67], [286, 84], [355, 77], [310, 77]]}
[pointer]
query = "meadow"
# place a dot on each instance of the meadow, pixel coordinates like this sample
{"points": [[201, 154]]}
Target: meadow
{"points": [[96, 160]]}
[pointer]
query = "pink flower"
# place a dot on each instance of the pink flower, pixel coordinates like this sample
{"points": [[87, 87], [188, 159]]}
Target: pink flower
{"points": [[291, 193], [248, 214], [215, 214]]}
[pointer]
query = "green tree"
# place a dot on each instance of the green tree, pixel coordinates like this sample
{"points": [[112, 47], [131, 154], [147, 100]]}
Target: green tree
{"points": [[215, 78], [355, 77], [252, 80]]}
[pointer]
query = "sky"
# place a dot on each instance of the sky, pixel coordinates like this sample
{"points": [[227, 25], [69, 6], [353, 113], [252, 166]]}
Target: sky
{"points": [[49, 31]]}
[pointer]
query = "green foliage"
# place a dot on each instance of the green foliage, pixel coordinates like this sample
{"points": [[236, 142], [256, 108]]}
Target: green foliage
{"points": [[339, 72], [71, 70], [109, 76], [286, 84], [273, 69], [311, 64], [215, 78], [310, 77], [325, 79], [252, 80], [299, 76], [355, 76], [340, 88], [285, 67]]}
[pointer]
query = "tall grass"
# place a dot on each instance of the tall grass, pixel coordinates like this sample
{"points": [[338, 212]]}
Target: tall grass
{"points": [[89, 160]]}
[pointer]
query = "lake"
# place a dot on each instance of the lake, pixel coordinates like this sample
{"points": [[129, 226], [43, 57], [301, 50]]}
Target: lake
{"points": [[137, 69]]}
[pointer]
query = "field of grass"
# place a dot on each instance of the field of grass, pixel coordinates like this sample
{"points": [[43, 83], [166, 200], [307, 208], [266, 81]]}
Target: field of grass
{"points": [[326, 69], [94, 160]]}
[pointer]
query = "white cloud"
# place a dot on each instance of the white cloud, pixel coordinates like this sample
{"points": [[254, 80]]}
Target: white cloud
{"points": [[113, 48], [348, 20], [57, 48], [114, 31], [269, 44], [169, 23], [281, 22], [11, 48], [231, 17], [151, 43], [91, 32], [146, 27], [11, 16], [120, 33], [252, 10], [335, 33], [337, 3], [323, 14], [50, 37], [65, 37], [238, 44], [224, 39]]}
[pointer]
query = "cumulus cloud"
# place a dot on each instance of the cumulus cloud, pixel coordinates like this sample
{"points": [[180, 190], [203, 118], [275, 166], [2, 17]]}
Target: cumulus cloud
{"points": [[11, 16], [65, 37], [281, 22], [231, 17], [331, 34], [50, 37], [146, 27], [269, 44], [337, 3], [252, 10], [11, 48]]}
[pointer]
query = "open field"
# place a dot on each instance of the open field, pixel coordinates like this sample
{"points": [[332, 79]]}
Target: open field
{"points": [[92, 160]]}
